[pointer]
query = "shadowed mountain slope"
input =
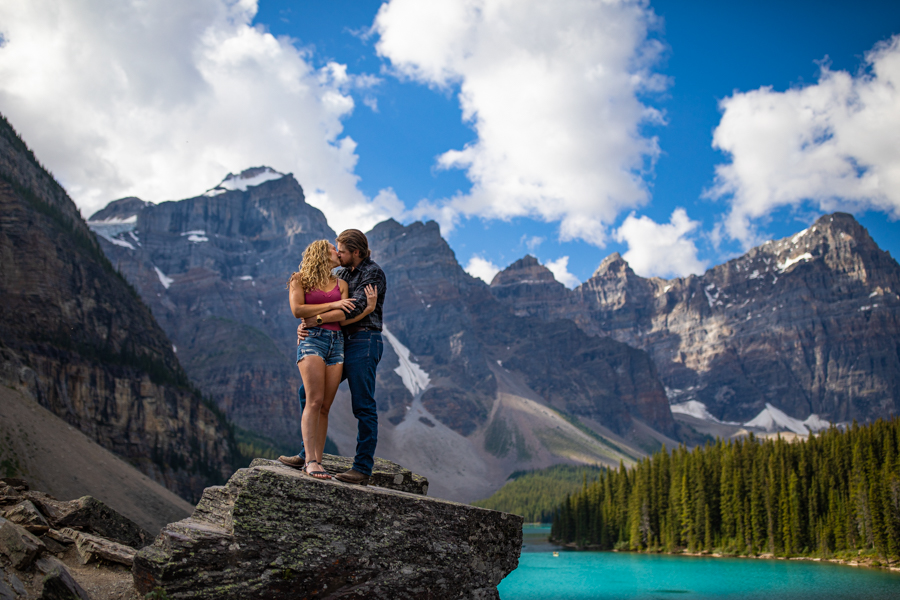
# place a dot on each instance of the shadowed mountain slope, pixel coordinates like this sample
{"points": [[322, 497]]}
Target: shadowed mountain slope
{"points": [[77, 337]]}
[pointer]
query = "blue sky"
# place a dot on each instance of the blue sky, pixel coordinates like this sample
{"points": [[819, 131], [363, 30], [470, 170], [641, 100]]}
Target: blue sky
{"points": [[226, 78]]}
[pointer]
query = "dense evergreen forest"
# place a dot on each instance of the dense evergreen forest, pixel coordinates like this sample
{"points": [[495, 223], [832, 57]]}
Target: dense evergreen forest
{"points": [[834, 493], [535, 495]]}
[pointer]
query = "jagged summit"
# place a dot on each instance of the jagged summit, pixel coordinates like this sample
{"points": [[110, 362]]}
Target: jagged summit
{"points": [[524, 270], [613, 264], [248, 178]]}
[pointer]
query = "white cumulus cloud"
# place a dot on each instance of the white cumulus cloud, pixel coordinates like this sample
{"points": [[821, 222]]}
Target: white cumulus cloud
{"points": [[482, 268], [661, 249], [832, 145], [552, 91], [560, 270], [162, 99]]}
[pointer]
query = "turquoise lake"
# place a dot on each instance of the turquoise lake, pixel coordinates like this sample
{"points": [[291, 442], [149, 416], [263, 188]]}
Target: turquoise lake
{"points": [[630, 576]]}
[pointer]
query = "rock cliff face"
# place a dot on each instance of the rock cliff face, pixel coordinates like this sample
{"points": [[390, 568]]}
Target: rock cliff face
{"points": [[808, 324], [77, 337], [272, 533], [458, 331], [213, 270]]}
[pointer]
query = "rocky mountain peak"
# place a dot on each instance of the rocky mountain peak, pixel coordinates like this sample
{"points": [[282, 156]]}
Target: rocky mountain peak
{"points": [[247, 178], [389, 236], [837, 242], [525, 270], [614, 266], [121, 209]]}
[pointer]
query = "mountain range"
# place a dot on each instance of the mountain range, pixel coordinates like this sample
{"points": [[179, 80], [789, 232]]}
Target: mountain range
{"points": [[806, 326], [480, 380]]}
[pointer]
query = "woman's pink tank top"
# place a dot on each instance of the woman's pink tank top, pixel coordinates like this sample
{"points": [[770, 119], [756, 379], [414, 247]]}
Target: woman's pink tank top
{"points": [[320, 297]]}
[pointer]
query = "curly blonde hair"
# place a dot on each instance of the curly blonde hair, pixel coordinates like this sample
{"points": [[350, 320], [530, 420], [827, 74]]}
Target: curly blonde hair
{"points": [[315, 268]]}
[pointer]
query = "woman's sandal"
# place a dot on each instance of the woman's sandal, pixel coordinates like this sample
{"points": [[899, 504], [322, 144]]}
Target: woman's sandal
{"points": [[316, 474]]}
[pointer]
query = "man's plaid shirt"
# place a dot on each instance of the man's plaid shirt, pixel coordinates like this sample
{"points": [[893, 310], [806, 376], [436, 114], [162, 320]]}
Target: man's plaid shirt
{"points": [[367, 273]]}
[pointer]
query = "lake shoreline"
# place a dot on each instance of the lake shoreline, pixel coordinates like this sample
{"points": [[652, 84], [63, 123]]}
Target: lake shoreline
{"points": [[861, 562]]}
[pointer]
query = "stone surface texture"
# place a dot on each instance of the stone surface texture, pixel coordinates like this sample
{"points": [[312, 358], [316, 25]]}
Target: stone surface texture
{"points": [[92, 515], [92, 548], [67, 563], [19, 546], [272, 532], [58, 583], [808, 323], [385, 473], [79, 340], [27, 515]]}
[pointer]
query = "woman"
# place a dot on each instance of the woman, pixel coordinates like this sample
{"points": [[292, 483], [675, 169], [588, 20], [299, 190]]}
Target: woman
{"points": [[320, 357]]}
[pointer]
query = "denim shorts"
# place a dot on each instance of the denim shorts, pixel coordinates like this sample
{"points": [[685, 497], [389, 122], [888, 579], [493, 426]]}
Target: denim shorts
{"points": [[325, 343]]}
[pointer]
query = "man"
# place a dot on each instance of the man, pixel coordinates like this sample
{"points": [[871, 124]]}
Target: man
{"points": [[363, 346]]}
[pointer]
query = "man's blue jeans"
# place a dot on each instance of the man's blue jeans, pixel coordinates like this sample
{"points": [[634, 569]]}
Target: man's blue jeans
{"points": [[362, 352]]}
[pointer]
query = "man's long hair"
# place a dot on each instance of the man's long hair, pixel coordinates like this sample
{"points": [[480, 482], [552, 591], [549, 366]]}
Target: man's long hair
{"points": [[315, 268], [354, 239]]}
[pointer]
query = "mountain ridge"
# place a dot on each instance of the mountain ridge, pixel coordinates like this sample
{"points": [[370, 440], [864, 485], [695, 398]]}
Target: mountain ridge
{"points": [[787, 300]]}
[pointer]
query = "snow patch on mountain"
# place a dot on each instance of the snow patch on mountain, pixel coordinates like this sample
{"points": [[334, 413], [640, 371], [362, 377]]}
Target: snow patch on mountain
{"points": [[792, 261], [196, 236], [696, 409], [414, 377], [248, 178], [109, 228], [166, 281], [773, 419], [799, 235], [693, 408]]}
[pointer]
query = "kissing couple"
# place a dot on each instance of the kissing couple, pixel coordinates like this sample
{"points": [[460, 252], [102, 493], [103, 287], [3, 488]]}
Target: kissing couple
{"points": [[339, 294]]}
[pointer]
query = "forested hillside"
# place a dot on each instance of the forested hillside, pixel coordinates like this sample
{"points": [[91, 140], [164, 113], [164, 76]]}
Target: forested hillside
{"points": [[836, 492], [535, 495]]}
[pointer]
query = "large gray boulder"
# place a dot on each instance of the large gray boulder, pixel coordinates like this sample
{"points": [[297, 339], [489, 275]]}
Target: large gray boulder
{"points": [[272, 532]]}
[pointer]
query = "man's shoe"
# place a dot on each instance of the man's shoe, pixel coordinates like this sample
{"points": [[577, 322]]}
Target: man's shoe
{"points": [[353, 476], [292, 461]]}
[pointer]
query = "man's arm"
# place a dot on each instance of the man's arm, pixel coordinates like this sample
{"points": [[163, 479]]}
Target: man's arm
{"points": [[371, 303], [376, 278]]}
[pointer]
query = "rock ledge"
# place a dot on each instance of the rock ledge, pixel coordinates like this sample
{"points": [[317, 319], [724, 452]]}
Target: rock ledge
{"points": [[272, 532]]}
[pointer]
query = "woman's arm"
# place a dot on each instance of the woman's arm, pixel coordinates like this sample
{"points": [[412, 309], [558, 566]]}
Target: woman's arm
{"points": [[305, 311], [371, 302]]}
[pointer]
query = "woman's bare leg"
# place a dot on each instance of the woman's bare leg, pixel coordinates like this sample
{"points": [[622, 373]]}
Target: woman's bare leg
{"points": [[332, 381], [312, 371]]}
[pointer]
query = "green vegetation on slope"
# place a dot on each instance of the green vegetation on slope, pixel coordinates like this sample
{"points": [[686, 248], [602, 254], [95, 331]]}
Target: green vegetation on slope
{"points": [[835, 493], [535, 494]]}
